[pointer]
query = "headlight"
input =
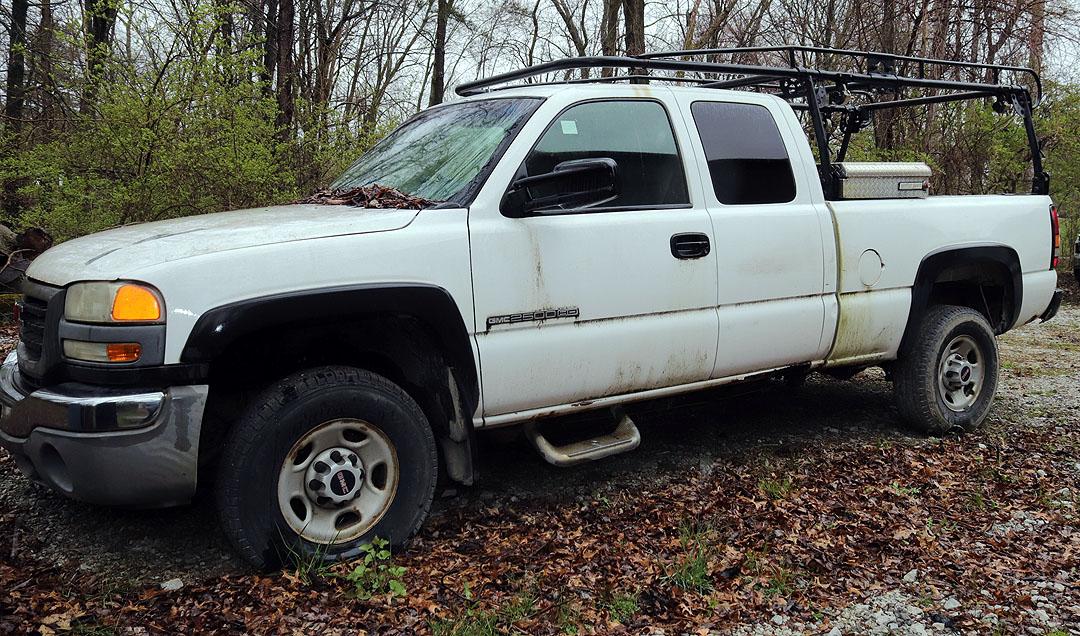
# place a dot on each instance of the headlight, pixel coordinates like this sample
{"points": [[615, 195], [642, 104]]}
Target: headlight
{"points": [[116, 302]]}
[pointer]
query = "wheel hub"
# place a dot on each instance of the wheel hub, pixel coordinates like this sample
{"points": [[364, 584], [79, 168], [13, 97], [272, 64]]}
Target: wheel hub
{"points": [[335, 477], [957, 372], [337, 481], [960, 374]]}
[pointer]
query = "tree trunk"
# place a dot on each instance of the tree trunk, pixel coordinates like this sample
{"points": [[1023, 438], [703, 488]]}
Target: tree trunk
{"points": [[16, 68], [438, 69], [634, 21], [577, 36], [609, 31], [41, 70], [16, 90], [100, 18], [1038, 35], [270, 46], [885, 120], [286, 37]]}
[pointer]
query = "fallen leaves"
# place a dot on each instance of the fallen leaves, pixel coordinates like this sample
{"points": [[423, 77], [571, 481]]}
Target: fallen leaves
{"points": [[986, 521], [760, 556], [372, 196]]}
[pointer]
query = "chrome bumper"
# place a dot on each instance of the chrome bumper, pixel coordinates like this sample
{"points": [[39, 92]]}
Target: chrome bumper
{"points": [[104, 445]]}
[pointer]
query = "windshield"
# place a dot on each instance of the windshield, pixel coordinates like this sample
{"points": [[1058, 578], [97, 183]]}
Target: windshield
{"points": [[438, 153]]}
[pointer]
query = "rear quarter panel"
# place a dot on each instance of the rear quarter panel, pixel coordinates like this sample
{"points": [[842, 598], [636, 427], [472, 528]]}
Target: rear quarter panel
{"points": [[873, 313]]}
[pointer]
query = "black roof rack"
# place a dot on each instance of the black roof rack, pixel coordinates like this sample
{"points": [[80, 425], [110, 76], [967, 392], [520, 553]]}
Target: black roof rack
{"points": [[844, 82]]}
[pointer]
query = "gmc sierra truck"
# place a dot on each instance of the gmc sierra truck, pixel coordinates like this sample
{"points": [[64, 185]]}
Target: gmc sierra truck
{"points": [[583, 246]]}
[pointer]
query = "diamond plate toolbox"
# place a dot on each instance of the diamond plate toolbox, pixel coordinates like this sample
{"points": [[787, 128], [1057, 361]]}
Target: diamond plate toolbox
{"points": [[882, 180]]}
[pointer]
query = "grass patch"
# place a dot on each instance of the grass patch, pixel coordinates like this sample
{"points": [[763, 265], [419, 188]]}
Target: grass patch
{"points": [[691, 570], [904, 491], [312, 567], [1032, 370], [622, 607], [753, 562], [781, 583], [976, 500], [91, 629], [776, 488], [486, 622]]}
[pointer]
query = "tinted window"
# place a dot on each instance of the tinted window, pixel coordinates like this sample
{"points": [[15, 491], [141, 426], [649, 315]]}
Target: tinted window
{"points": [[748, 162], [636, 134]]}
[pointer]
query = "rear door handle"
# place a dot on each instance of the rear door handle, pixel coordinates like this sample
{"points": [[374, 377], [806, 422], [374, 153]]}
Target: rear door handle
{"points": [[689, 245]]}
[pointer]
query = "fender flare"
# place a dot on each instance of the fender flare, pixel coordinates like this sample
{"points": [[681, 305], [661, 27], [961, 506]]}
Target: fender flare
{"points": [[937, 262], [220, 327]]}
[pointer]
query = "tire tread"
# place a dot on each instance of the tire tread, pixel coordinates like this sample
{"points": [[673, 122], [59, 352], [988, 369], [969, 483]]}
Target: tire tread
{"points": [[914, 382], [246, 433]]}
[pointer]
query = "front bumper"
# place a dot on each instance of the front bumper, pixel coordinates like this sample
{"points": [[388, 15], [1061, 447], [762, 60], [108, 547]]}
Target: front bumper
{"points": [[101, 445]]}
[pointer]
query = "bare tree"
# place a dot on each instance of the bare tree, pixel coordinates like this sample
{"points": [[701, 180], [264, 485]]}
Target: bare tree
{"points": [[438, 71]]}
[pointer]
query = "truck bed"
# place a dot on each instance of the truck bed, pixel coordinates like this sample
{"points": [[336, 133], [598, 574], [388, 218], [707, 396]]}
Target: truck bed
{"points": [[882, 243]]}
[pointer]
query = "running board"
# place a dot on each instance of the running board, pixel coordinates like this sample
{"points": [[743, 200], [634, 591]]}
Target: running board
{"points": [[625, 437]]}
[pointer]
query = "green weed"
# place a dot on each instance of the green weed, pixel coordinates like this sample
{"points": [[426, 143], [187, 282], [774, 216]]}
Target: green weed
{"points": [[376, 574]]}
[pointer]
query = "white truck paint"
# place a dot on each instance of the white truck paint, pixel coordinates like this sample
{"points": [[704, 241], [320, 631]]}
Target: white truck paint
{"points": [[780, 287], [306, 350]]}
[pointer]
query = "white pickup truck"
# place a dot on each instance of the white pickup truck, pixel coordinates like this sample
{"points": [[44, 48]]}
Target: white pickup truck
{"points": [[587, 246]]}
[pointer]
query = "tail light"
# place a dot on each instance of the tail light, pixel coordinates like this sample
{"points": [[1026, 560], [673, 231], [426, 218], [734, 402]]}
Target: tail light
{"points": [[1055, 240]]}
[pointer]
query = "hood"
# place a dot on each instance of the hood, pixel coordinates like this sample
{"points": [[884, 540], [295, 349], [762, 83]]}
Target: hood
{"points": [[119, 252]]}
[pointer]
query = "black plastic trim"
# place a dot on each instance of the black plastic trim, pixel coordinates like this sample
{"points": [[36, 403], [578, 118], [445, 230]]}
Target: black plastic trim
{"points": [[150, 337], [218, 328], [934, 264], [1053, 307], [161, 376]]}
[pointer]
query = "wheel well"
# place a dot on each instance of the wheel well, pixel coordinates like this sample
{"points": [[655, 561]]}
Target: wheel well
{"points": [[400, 348], [986, 279], [984, 286]]}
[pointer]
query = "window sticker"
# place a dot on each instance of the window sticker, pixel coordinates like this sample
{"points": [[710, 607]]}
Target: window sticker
{"points": [[569, 126]]}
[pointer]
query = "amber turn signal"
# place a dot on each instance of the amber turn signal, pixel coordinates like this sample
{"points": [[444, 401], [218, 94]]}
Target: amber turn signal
{"points": [[123, 351], [102, 351], [136, 304]]}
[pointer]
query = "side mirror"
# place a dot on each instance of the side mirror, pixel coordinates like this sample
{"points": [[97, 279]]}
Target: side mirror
{"points": [[572, 184]]}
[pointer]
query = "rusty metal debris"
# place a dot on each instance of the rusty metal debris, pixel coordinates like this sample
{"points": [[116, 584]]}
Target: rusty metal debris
{"points": [[372, 196]]}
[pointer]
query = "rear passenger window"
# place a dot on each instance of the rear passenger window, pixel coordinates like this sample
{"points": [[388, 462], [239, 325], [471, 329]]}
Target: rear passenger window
{"points": [[747, 159], [635, 133]]}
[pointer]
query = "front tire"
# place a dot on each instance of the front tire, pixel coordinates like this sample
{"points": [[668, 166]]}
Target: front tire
{"points": [[322, 462], [947, 373]]}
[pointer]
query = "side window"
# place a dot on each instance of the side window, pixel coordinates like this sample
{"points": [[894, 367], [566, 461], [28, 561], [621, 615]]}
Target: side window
{"points": [[747, 159], [635, 133]]}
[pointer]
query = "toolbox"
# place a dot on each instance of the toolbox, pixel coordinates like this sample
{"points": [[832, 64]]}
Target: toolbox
{"points": [[882, 180]]}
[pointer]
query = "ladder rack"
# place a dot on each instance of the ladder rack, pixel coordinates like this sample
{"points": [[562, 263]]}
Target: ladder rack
{"points": [[851, 86]]}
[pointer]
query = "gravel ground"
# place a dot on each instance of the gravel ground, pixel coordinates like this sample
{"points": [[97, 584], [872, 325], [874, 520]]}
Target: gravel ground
{"points": [[1039, 388]]}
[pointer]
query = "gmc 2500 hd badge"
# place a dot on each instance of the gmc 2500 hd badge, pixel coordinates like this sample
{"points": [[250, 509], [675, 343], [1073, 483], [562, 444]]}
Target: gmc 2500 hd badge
{"points": [[539, 315]]}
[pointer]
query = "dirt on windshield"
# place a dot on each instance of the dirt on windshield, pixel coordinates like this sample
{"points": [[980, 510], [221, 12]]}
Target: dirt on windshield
{"points": [[372, 196]]}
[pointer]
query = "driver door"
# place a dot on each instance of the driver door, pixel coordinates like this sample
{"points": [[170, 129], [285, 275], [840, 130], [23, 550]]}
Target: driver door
{"points": [[578, 303]]}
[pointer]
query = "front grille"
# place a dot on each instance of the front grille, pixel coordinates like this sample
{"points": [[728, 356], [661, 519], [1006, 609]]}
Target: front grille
{"points": [[39, 318], [32, 327]]}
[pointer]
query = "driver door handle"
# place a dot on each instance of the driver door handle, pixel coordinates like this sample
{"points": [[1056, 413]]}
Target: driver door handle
{"points": [[690, 245]]}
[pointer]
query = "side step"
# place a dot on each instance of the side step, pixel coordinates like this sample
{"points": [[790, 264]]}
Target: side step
{"points": [[625, 437]]}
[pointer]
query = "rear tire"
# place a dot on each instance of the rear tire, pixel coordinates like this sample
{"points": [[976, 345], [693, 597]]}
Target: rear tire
{"points": [[947, 374], [322, 462]]}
